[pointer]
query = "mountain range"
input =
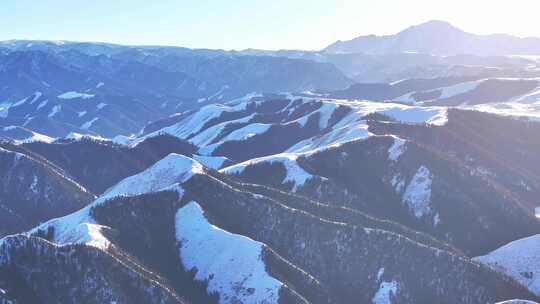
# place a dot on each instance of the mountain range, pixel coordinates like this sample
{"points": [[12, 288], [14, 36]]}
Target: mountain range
{"points": [[149, 174], [439, 38]]}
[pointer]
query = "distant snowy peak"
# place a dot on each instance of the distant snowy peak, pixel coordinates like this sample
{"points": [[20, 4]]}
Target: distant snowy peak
{"points": [[426, 39]]}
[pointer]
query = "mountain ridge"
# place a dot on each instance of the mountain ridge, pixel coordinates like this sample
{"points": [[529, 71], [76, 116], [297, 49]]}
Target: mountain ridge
{"points": [[438, 38]]}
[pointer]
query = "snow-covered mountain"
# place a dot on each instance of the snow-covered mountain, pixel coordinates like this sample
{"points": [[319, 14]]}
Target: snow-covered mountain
{"points": [[33, 190], [343, 150], [56, 89], [199, 226], [289, 199], [448, 91], [439, 38], [407, 173], [518, 259]]}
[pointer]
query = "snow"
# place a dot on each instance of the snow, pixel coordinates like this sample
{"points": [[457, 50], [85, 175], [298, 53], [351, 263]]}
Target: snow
{"points": [[326, 112], [417, 195], [407, 98], [232, 264], [533, 96], [520, 260], [386, 292], [74, 95], [213, 162], [334, 138], [217, 95], [78, 136], [37, 137], [87, 125], [436, 220], [418, 115], [459, 89], [397, 149], [122, 140], [446, 92], [247, 132], [398, 183], [294, 173], [354, 127], [32, 136], [510, 109], [380, 273], [84, 233], [211, 133], [246, 98], [42, 104], [20, 102], [172, 170], [34, 185], [36, 96], [55, 110], [4, 110], [194, 123], [81, 228], [75, 228], [207, 136]]}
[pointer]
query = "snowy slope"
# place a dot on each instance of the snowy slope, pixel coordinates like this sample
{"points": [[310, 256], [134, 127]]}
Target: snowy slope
{"points": [[294, 173], [75, 228], [354, 127], [207, 136], [232, 264], [397, 149], [23, 135], [199, 130], [78, 137], [529, 110], [446, 92], [75, 95], [172, 170], [519, 259], [212, 162], [517, 302], [80, 227], [247, 132], [417, 195], [194, 123]]}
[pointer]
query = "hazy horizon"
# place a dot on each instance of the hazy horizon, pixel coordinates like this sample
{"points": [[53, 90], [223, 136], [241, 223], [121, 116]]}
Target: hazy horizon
{"points": [[311, 25]]}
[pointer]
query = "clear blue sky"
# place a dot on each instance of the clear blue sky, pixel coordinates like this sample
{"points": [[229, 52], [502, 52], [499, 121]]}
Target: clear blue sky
{"points": [[266, 24]]}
